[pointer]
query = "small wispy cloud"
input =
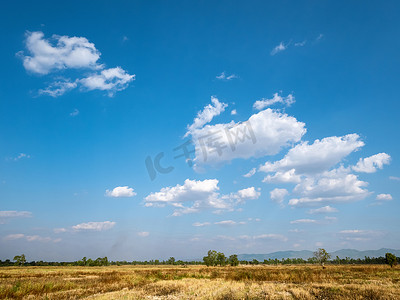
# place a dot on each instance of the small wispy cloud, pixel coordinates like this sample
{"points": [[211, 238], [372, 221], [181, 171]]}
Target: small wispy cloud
{"points": [[303, 221], [394, 178], [300, 44], [282, 46], [266, 236], [143, 233], [31, 238], [58, 88], [6, 215], [19, 157], [279, 48], [263, 103], [319, 37], [323, 210], [94, 226], [121, 192], [357, 235], [381, 199], [229, 223], [224, 76], [198, 224], [250, 173], [74, 113], [384, 197]]}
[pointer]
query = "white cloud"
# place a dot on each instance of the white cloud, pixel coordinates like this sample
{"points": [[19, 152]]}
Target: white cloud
{"points": [[58, 88], [68, 52], [264, 133], [199, 195], [111, 80], [317, 157], [283, 177], [319, 37], [143, 233], [323, 210], [198, 224], [229, 223], [358, 235], [310, 166], [384, 197], [304, 221], [94, 226], [271, 236], [281, 47], [296, 230], [74, 113], [331, 219], [19, 157], [266, 236], [190, 191], [15, 236], [225, 238], [223, 76], [263, 103], [250, 173], [246, 194], [335, 186], [300, 44], [5, 215], [372, 163], [278, 195], [233, 112], [121, 191], [206, 115], [15, 214], [394, 178], [31, 238]]}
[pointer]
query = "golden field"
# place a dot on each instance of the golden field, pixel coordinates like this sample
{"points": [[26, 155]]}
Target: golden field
{"points": [[200, 282]]}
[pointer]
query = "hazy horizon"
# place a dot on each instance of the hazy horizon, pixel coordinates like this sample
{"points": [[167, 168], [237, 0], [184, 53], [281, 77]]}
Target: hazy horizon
{"points": [[142, 130]]}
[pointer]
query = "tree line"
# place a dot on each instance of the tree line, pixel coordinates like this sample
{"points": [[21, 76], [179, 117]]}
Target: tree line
{"points": [[213, 258]]}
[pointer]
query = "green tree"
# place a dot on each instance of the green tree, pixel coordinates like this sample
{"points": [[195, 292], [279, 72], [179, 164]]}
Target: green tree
{"points": [[390, 259], [221, 259], [20, 260], [233, 260], [211, 258], [171, 261], [322, 256]]}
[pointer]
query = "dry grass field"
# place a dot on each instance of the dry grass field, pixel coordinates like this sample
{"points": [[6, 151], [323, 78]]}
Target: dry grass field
{"points": [[200, 282]]}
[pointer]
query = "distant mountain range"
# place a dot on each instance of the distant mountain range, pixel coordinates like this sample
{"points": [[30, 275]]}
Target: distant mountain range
{"points": [[305, 254]]}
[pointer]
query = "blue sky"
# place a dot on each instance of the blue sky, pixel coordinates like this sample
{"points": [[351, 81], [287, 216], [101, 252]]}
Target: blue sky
{"points": [[89, 92]]}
